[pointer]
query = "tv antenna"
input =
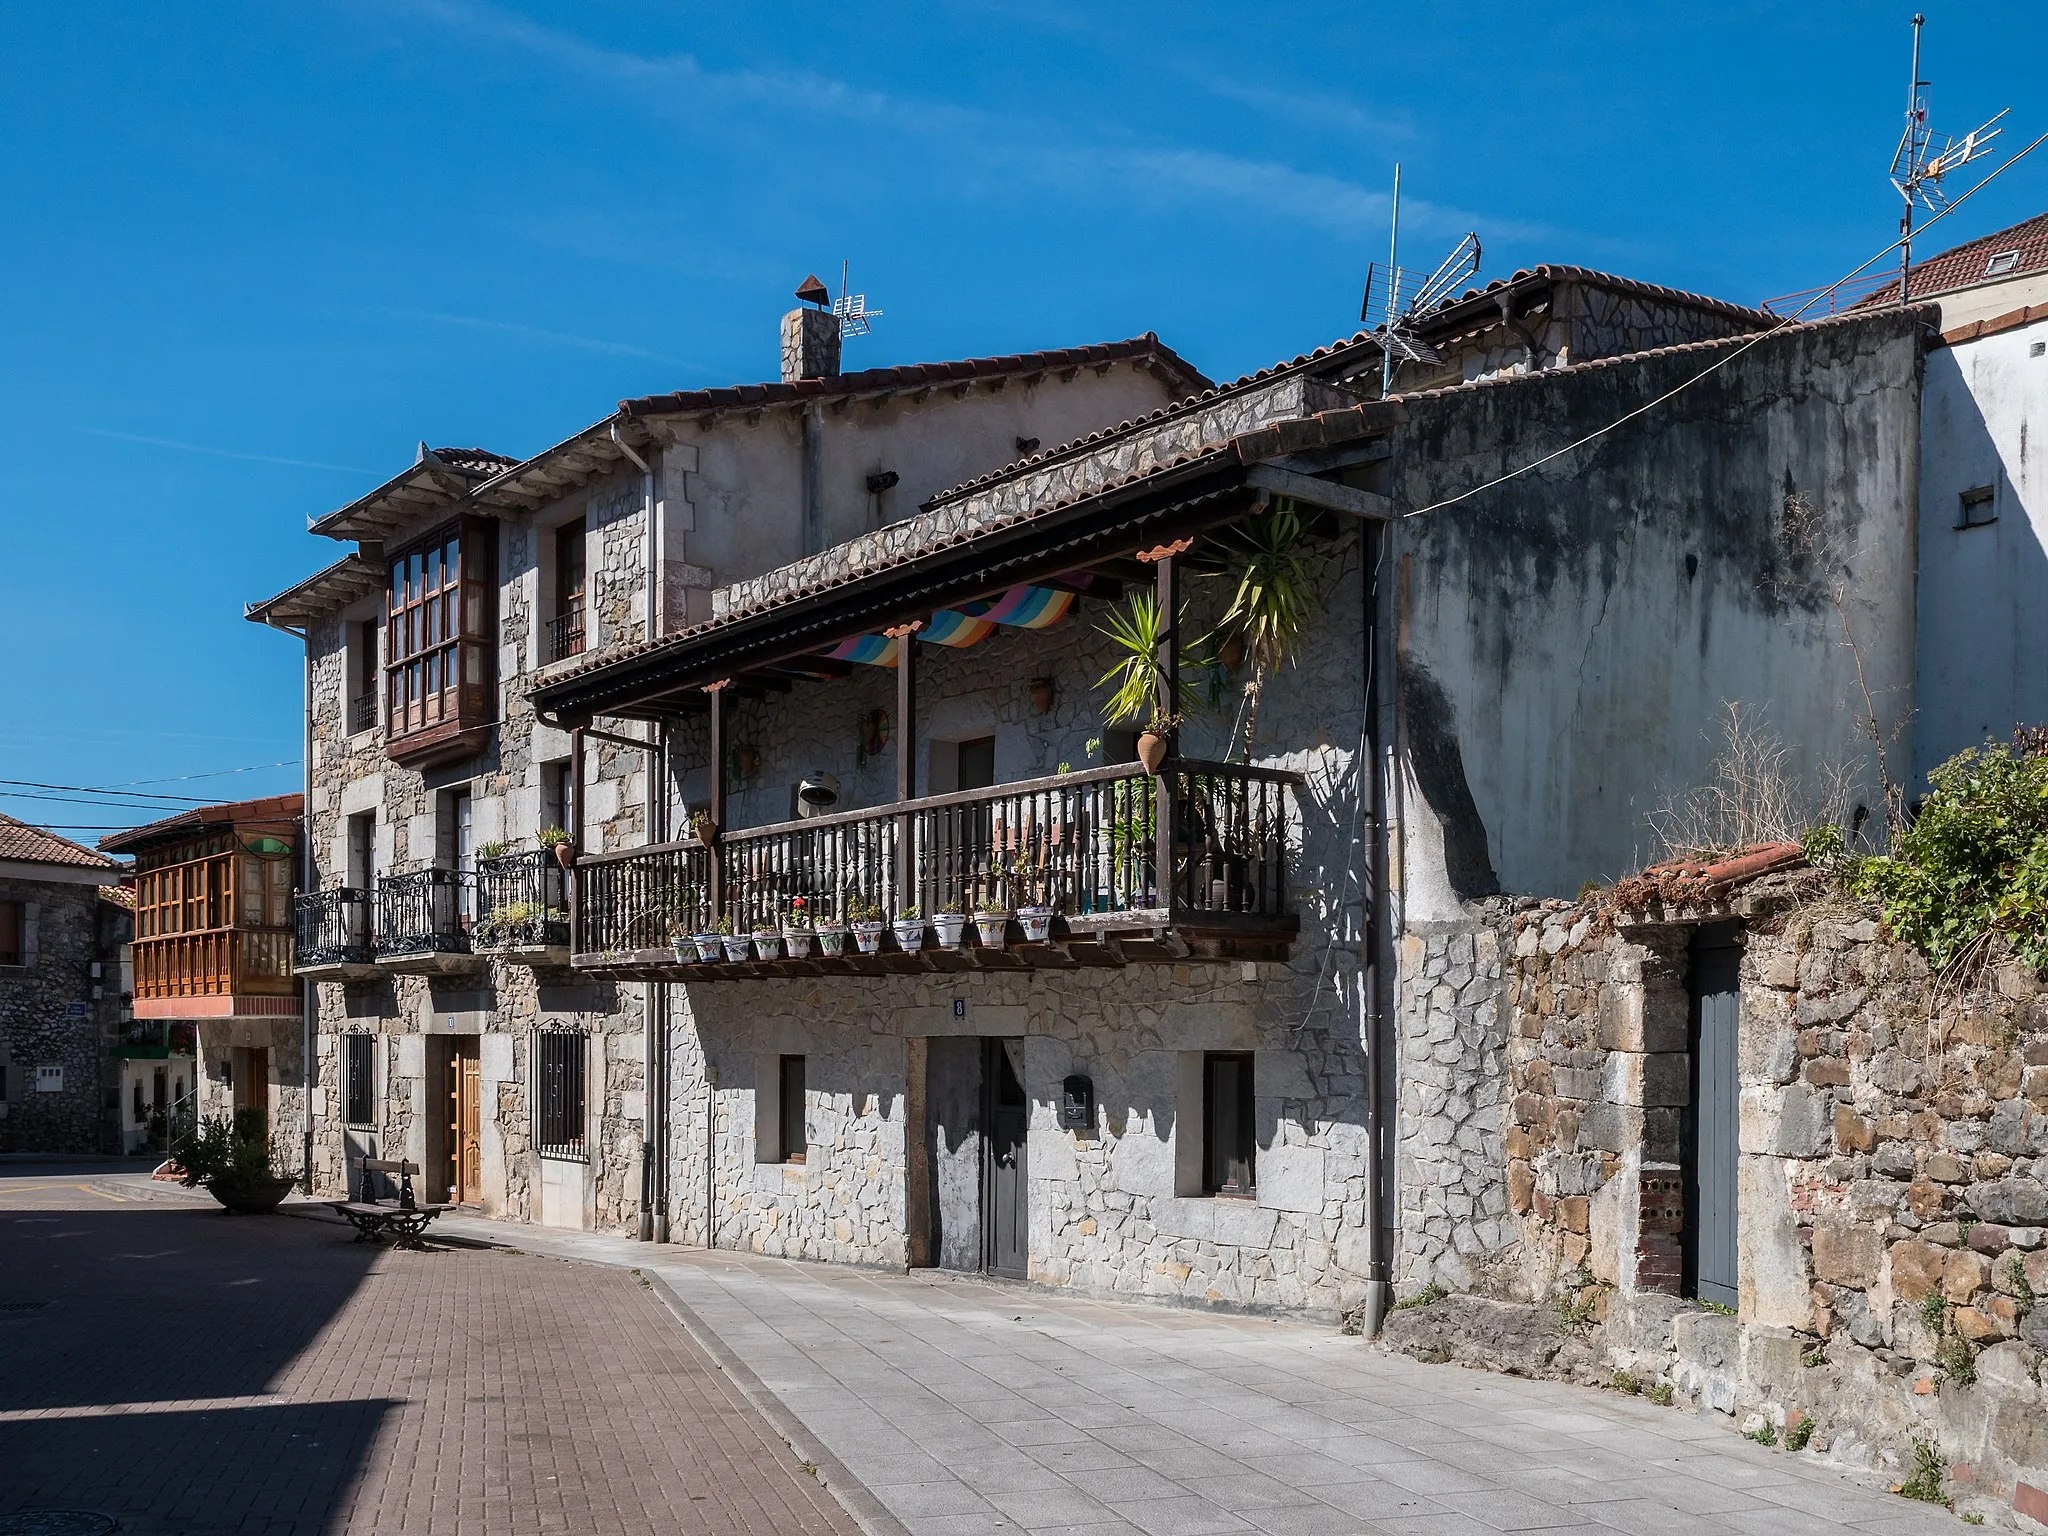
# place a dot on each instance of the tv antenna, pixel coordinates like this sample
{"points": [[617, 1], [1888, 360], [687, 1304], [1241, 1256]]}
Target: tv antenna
{"points": [[852, 309], [1397, 308], [1920, 162]]}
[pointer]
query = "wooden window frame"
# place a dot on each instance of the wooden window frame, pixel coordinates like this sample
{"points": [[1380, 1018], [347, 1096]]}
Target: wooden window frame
{"points": [[440, 665]]}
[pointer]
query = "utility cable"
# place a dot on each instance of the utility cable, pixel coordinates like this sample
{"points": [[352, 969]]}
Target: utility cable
{"points": [[1791, 319], [96, 789]]}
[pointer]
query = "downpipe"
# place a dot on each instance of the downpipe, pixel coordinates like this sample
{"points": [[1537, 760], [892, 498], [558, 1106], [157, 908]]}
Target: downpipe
{"points": [[1376, 991]]}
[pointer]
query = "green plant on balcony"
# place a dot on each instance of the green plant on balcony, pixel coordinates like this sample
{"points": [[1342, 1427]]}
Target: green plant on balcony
{"points": [[1137, 632], [516, 922], [493, 850], [1278, 594]]}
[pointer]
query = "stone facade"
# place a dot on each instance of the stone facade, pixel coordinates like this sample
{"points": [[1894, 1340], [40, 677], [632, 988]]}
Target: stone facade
{"points": [[60, 1013]]}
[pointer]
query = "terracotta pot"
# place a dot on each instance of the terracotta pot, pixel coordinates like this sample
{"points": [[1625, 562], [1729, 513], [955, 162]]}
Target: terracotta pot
{"points": [[1151, 750], [1043, 694], [704, 829], [565, 855]]}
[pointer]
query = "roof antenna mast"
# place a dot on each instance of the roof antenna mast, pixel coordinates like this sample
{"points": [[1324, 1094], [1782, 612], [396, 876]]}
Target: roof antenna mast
{"points": [[1398, 343], [852, 310], [1918, 165]]}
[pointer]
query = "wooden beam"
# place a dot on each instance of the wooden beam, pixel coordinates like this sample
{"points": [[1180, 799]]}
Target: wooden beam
{"points": [[1369, 505], [810, 666]]}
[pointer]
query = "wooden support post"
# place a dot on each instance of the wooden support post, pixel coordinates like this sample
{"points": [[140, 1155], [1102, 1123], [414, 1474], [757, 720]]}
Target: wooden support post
{"points": [[1167, 571], [573, 813], [714, 856], [906, 765]]}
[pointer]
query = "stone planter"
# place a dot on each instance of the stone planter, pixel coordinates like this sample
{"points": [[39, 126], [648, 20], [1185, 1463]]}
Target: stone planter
{"points": [[251, 1197], [869, 936], [798, 942], [831, 941], [951, 926], [992, 928], [707, 946], [1036, 922], [767, 944], [734, 945], [909, 932]]}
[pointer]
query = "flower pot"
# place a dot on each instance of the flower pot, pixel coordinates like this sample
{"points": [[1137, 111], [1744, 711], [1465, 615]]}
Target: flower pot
{"points": [[683, 950], [704, 829], [798, 942], [250, 1197], [734, 945], [1151, 750], [951, 926], [909, 932], [869, 936], [992, 928], [1036, 923], [707, 946], [767, 944], [565, 855], [831, 941]]}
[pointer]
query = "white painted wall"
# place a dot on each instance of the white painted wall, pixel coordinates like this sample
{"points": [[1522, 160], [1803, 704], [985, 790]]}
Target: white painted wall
{"points": [[1983, 602]]}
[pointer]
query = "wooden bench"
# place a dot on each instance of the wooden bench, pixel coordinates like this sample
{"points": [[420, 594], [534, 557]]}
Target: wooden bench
{"points": [[404, 1219]]}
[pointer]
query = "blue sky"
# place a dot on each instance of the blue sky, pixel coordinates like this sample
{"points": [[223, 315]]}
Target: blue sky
{"points": [[252, 254]]}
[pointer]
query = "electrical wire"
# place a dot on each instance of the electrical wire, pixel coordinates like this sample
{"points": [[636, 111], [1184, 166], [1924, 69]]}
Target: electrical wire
{"points": [[97, 789], [1716, 367], [186, 778]]}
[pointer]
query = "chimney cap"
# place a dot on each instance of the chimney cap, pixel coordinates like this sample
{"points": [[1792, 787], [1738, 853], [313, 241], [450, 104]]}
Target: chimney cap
{"points": [[811, 291]]}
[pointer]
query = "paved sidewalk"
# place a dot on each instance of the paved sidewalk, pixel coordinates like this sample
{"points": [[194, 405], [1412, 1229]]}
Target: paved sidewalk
{"points": [[191, 1373], [968, 1408]]}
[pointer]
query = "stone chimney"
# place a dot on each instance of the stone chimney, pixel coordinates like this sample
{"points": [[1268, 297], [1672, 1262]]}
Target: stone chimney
{"points": [[810, 336]]}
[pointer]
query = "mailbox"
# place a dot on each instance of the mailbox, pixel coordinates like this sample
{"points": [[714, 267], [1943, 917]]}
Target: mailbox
{"points": [[1077, 1104]]}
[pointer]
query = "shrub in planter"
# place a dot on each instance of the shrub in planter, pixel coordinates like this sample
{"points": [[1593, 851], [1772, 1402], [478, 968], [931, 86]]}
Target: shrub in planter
{"points": [[231, 1158]]}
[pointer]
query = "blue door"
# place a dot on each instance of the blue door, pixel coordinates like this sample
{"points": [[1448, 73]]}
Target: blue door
{"points": [[1711, 1144]]}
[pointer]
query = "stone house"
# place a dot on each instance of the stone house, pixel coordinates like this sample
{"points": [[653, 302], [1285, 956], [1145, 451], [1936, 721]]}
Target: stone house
{"points": [[1257, 1056], [1983, 567], [63, 925], [449, 1026]]}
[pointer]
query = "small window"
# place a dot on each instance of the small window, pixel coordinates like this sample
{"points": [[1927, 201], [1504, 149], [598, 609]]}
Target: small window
{"points": [[1977, 507], [11, 925], [565, 629], [796, 1142], [1229, 1145], [2001, 263], [558, 796], [560, 1101], [977, 764], [367, 669], [358, 1064]]}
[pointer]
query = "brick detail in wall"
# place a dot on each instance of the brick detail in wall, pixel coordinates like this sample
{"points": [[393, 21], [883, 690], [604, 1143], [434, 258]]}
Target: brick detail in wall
{"points": [[1660, 1230]]}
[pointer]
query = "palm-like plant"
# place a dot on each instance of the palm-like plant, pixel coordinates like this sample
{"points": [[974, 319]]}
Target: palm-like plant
{"points": [[1279, 593], [1137, 630]]}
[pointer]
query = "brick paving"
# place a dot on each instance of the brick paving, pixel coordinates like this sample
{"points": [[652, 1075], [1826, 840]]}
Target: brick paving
{"points": [[193, 1373]]}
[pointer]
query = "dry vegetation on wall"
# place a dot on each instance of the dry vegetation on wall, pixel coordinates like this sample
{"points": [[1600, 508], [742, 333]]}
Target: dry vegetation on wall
{"points": [[1752, 795]]}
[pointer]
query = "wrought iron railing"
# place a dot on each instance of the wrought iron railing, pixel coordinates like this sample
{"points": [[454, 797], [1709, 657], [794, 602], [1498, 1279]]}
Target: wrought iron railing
{"points": [[334, 927], [521, 899], [1085, 844], [565, 635], [362, 712], [427, 911]]}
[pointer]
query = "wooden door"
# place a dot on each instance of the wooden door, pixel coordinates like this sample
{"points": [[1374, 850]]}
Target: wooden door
{"points": [[1712, 1147], [252, 1079], [464, 1138], [1005, 1229]]}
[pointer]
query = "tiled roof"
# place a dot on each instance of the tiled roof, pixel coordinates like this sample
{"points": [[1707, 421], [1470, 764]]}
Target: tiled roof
{"points": [[1967, 265], [1327, 427], [25, 844], [1178, 370], [433, 482], [474, 461], [121, 896], [335, 586], [1449, 310], [230, 813]]}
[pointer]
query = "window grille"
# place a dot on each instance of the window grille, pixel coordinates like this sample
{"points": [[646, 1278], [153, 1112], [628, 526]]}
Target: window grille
{"points": [[559, 1103], [358, 1066]]}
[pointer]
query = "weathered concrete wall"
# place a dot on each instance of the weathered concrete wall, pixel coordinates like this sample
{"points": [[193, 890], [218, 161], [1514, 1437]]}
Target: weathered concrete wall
{"points": [[1983, 619], [1569, 638], [50, 1017]]}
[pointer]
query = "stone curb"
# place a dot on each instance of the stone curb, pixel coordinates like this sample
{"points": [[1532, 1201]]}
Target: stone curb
{"points": [[867, 1511]]}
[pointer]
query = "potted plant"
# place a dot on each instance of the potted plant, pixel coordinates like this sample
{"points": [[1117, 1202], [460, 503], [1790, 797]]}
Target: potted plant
{"points": [[865, 918], [909, 928], [991, 926], [734, 944], [556, 841], [831, 934], [951, 923], [1138, 631], [1032, 914], [767, 942], [706, 945], [703, 828], [231, 1158], [1278, 595], [796, 929], [491, 850]]}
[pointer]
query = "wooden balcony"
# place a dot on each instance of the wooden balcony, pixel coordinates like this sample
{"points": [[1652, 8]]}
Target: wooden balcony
{"points": [[1088, 845]]}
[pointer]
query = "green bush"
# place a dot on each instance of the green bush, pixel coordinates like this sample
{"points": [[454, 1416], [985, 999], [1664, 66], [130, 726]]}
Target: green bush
{"points": [[1974, 862], [228, 1154]]}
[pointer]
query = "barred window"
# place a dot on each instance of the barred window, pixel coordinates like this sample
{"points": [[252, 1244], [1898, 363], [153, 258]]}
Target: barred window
{"points": [[559, 1103], [358, 1066]]}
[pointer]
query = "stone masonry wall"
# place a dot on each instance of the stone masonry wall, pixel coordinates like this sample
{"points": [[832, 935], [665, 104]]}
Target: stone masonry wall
{"points": [[49, 1017]]}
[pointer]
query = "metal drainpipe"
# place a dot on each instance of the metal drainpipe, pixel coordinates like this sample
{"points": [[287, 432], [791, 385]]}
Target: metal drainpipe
{"points": [[308, 993], [1376, 998]]}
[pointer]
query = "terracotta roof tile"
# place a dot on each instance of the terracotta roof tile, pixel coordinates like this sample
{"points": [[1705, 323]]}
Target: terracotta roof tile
{"points": [[268, 808], [25, 844], [1968, 265]]}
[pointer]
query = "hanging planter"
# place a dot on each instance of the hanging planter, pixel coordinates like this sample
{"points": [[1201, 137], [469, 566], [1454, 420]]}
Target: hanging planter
{"points": [[1036, 923], [951, 926], [1151, 750], [909, 931], [704, 829], [992, 929]]}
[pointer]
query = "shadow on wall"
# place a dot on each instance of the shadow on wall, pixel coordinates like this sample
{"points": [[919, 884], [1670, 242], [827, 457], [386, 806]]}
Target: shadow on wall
{"points": [[1983, 610]]}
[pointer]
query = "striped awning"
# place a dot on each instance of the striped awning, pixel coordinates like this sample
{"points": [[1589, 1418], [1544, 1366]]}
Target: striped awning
{"points": [[969, 624]]}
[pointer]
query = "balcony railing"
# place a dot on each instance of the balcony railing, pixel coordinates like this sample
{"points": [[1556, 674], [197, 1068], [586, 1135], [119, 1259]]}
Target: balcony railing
{"points": [[334, 927], [1084, 844], [565, 635], [522, 901], [213, 962], [156, 1039], [362, 713], [428, 911]]}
